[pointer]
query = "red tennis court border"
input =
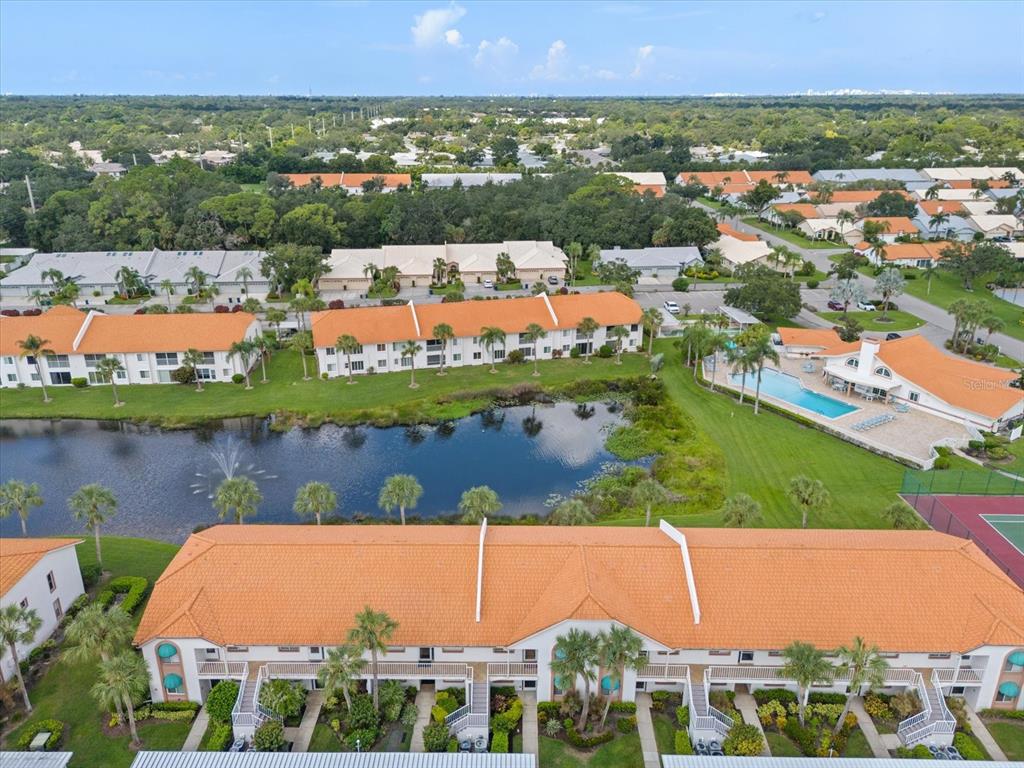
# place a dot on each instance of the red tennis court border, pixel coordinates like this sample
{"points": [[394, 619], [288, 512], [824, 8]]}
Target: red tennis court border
{"points": [[962, 516]]}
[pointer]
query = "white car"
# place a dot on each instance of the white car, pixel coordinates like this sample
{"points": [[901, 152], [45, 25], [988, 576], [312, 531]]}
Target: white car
{"points": [[864, 306], [488, 283], [671, 307]]}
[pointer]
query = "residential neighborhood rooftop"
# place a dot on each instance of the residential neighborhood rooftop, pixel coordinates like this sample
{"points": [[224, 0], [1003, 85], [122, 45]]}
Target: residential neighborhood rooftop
{"points": [[18, 556]]}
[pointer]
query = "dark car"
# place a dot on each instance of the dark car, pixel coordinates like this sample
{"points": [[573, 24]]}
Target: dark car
{"points": [[891, 336], [835, 306]]}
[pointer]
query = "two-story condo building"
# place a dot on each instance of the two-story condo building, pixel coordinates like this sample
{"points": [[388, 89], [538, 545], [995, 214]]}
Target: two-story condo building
{"points": [[479, 605], [383, 331], [41, 575], [150, 347]]}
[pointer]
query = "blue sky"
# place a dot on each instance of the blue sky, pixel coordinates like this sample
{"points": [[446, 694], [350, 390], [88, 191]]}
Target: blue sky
{"points": [[521, 48]]}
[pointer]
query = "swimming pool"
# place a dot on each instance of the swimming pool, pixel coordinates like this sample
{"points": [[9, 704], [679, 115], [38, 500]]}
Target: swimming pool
{"points": [[788, 388]]}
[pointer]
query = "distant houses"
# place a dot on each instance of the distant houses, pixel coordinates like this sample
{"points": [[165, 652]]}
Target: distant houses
{"points": [[664, 263], [353, 183], [653, 182]]}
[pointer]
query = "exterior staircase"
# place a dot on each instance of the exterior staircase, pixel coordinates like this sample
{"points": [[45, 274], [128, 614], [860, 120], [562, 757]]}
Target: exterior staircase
{"points": [[472, 721], [706, 722], [247, 714], [934, 725]]}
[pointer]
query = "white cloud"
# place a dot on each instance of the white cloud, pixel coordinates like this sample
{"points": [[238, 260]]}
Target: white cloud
{"points": [[554, 66], [644, 58], [606, 74], [496, 56], [436, 26]]}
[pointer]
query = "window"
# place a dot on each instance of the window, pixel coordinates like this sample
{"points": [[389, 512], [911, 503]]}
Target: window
{"points": [[407, 362], [938, 655], [8, 360], [95, 378], [426, 654], [51, 581], [205, 374], [395, 649], [30, 360], [382, 363], [330, 367], [24, 603], [35, 376], [529, 654], [12, 377], [527, 351], [143, 374], [746, 657], [287, 649], [163, 376], [209, 359], [212, 653], [58, 611], [719, 653], [60, 377], [634, 327], [889, 655], [456, 357], [330, 351], [915, 397], [452, 650], [500, 650], [358, 365], [237, 649], [316, 650], [1002, 697], [433, 345], [166, 358], [883, 372], [382, 347], [853, 362], [57, 361], [140, 357], [499, 354], [92, 360], [1011, 666], [477, 356], [433, 360]]}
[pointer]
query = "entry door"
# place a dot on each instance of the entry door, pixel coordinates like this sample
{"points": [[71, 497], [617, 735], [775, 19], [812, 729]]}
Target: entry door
{"points": [[426, 655]]}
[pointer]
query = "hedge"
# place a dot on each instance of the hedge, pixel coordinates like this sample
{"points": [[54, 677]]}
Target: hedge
{"points": [[438, 714], [499, 743], [626, 724], [683, 746], [968, 748], [781, 695], [624, 707], [221, 700], [508, 720], [819, 697], [55, 727], [1009, 714], [219, 737], [743, 740], [585, 742], [132, 587], [74, 609], [683, 716]]}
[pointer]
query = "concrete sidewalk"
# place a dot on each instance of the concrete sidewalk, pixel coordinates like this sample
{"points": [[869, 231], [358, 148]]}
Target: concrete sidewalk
{"points": [[867, 727], [424, 701], [645, 727], [303, 734], [982, 734], [195, 735], [531, 741], [748, 709]]}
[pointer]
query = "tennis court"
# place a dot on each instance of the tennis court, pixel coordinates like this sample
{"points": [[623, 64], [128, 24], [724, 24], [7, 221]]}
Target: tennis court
{"points": [[1010, 527]]}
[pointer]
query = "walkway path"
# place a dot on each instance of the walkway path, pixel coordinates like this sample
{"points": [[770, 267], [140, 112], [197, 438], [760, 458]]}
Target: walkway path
{"points": [[303, 734], [196, 734], [982, 734], [531, 743], [748, 708], [424, 701], [867, 727], [644, 726]]}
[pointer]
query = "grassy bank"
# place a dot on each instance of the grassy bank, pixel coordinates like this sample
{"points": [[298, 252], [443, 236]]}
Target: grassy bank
{"points": [[380, 399], [947, 288], [871, 321]]}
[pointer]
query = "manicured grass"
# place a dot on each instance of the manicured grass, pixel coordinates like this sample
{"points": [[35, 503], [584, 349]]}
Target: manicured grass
{"points": [[871, 321], [792, 236], [324, 740], [664, 734], [621, 752], [1009, 737], [710, 203], [780, 745], [63, 692], [1017, 465], [947, 288], [857, 745], [380, 398]]}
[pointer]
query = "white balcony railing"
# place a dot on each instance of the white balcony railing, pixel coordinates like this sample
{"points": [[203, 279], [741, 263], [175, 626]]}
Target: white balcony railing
{"points": [[309, 670], [664, 672], [502, 670], [221, 669], [962, 676]]}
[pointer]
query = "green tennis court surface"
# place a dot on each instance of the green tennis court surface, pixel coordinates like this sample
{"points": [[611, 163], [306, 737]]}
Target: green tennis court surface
{"points": [[1010, 527]]}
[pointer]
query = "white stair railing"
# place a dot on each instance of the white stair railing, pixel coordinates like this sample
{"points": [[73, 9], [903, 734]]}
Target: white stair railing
{"points": [[919, 726]]}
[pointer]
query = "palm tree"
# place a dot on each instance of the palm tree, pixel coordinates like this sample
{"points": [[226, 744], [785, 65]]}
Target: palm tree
{"points": [[252, 305], [261, 346], [900, 516], [585, 329], [243, 351], [409, 350], [929, 270], [195, 278], [490, 336], [808, 666], [38, 297], [937, 220], [808, 494], [123, 678], [316, 499], [574, 251], [742, 364], [440, 271], [35, 347], [96, 633], [55, 276], [443, 333], [740, 511], [237, 497], [571, 512], [843, 218], [647, 493], [619, 648], [193, 358], [107, 369], [477, 503], [992, 324], [19, 496], [340, 670], [302, 341], [576, 655], [399, 492], [168, 288], [275, 316], [618, 333], [759, 349], [18, 626], [865, 666], [652, 320], [534, 334], [348, 345], [932, 193], [372, 631], [93, 505], [245, 275]]}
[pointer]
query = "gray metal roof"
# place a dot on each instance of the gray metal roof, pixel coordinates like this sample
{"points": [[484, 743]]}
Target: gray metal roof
{"points": [[707, 761], [847, 175], [34, 759], [638, 258], [329, 760], [738, 315]]}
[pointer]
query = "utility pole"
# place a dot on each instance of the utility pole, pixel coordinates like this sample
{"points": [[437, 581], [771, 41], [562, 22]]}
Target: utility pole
{"points": [[31, 197]]}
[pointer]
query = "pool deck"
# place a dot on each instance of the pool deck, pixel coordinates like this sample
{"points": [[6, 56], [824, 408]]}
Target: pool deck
{"points": [[909, 435]]}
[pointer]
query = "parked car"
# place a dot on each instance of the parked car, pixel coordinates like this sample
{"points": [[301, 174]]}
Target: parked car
{"points": [[891, 336], [835, 306], [488, 283], [552, 280], [865, 306], [671, 307]]}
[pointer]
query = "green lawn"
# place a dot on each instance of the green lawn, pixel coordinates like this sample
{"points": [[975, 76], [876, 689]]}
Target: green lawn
{"points": [[710, 203], [871, 321], [1009, 737], [792, 236], [781, 746], [63, 693], [947, 288], [380, 398], [664, 733], [622, 752], [1017, 465], [858, 746], [324, 740]]}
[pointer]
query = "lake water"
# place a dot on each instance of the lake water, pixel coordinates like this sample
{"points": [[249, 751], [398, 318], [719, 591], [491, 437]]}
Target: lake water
{"points": [[164, 479]]}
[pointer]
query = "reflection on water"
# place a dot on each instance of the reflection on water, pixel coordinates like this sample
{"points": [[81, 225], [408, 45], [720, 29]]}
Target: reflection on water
{"points": [[163, 479]]}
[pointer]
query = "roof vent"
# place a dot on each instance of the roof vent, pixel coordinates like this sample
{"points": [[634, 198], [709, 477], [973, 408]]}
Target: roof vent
{"points": [[691, 585]]}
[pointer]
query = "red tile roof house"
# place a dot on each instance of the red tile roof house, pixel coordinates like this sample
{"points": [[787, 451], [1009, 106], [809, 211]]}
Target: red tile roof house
{"points": [[150, 347], [479, 605], [383, 331], [352, 182]]}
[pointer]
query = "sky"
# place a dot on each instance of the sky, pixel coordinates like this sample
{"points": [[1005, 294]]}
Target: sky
{"points": [[509, 48]]}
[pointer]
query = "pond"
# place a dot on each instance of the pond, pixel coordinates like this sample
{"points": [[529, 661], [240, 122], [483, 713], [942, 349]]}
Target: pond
{"points": [[164, 479]]}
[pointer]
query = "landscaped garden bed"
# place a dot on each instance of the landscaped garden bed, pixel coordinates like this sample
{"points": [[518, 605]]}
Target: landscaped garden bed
{"points": [[817, 736], [362, 727]]}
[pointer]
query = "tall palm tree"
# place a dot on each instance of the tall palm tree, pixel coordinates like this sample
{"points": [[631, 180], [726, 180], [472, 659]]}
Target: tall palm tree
{"points": [[316, 499], [741, 363], [35, 347], [245, 275], [932, 193], [992, 324], [619, 648], [410, 349], [18, 626], [123, 678], [261, 346], [618, 333], [193, 358], [445, 334], [574, 251], [93, 505], [399, 492], [808, 494], [576, 656], [807, 666], [302, 341], [534, 334], [96, 633], [647, 493], [195, 278], [371, 633], [19, 496], [937, 220], [843, 218], [348, 345], [759, 349], [866, 667], [440, 271], [929, 270], [237, 497], [243, 351], [107, 369], [340, 670], [585, 329], [571, 512], [275, 316], [477, 503], [168, 288], [740, 511], [652, 320], [490, 336]]}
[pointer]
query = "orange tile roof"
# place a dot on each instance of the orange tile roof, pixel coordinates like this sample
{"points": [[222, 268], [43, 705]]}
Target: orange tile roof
{"points": [[727, 229], [207, 331], [657, 189], [969, 184], [809, 337], [900, 251], [896, 224], [312, 580], [932, 207], [863, 195], [806, 210], [19, 556], [376, 325], [746, 179], [349, 180]]}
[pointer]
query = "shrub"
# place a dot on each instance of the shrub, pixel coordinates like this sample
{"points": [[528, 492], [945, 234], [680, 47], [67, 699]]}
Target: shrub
{"points": [[574, 353], [90, 574], [238, 378], [236, 308], [435, 738], [546, 709], [552, 728], [438, 714], [958, 708], [905, 704], [363, 716], [336, 304], [282, 697], [269, 737], [409, 715], [218, 737], [446, 701], [9, 312], [34, 312], [781, 695], [75, 608], [804, 738], [183, 374], [79, 383], [623, 707], [221, 700], [392, 697], [877, 707], [626, 724], [1009, 714], [499, 742], [221, 309], [773, 713], [361, 738], [605, 351], [920, 752], [683, 746], [680, 284], [508, 720], [132, 587], [743, 740], [942, 462], [812, 283], [54, 727], [515, 357], [822, 697], [683, 716], [968, 747], [585, 742], [659, 699]]}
